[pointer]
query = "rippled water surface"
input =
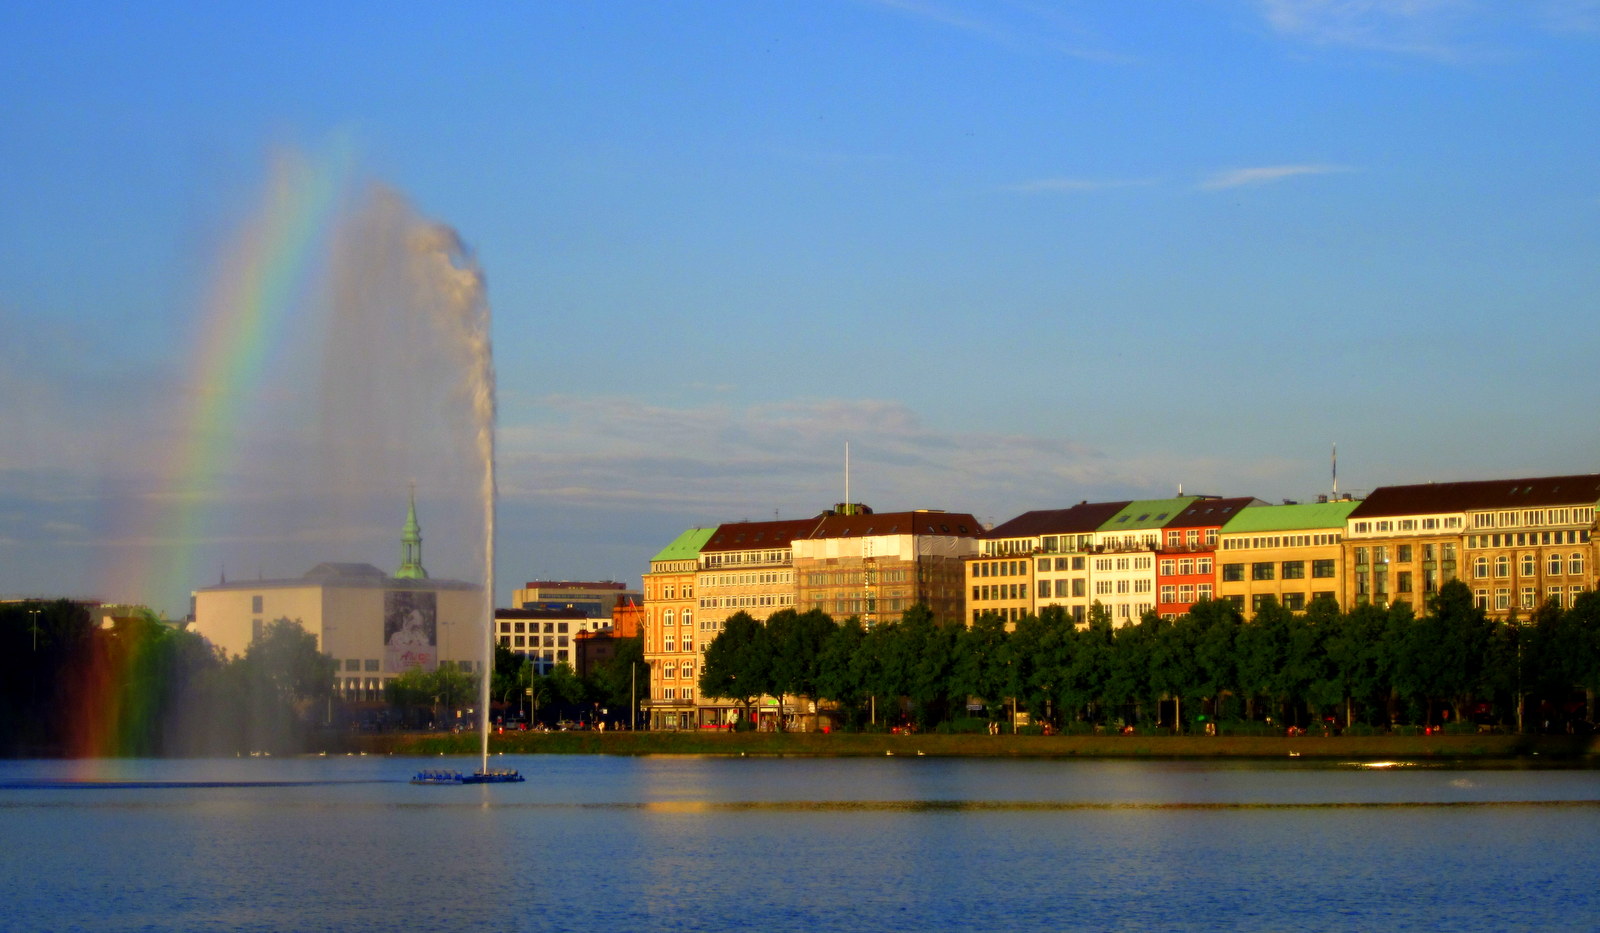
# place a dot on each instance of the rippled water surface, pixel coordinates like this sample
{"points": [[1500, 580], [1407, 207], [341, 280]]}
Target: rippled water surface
{"points": [[902, 843]]}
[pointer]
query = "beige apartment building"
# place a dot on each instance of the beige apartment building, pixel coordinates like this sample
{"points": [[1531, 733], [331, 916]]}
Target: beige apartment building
{"points": [[1514, 542], [1293, 553], [1037, 559], [1122, 569], [854, 562]]}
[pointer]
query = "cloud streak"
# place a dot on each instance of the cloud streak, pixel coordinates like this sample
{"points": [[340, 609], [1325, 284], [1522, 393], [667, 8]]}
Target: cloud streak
{"points": [[1266, 174], [789, 454], [1427, 28]]}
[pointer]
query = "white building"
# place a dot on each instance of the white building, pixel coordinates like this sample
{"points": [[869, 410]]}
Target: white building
{"points": [[373, 625]]}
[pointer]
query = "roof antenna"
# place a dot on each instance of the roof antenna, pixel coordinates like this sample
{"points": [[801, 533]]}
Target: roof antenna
{"points": [[847, 474], [1180, 490], [1336, 472]]}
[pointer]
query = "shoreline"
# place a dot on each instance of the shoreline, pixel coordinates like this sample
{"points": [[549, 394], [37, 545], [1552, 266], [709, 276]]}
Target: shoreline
{"points": [[1491, 747]]}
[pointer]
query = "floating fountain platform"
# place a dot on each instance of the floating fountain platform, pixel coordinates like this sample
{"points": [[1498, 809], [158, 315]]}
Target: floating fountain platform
{"points": [[451, 776]]}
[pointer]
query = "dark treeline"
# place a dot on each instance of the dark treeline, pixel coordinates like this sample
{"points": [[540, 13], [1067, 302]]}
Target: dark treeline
{"points": [[139, 687], [143, 688], [1365, 669]]}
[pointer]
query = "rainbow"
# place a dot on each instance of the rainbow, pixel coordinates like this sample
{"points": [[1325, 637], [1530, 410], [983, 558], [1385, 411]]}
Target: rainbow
{"points": [[269, 273]]}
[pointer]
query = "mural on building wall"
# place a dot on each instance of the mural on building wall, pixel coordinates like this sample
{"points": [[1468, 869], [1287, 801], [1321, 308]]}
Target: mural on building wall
{"points": [[410, 630]]}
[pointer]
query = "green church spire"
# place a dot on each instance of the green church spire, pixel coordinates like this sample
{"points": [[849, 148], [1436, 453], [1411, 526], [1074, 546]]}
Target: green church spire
{"points": [[411, 544]]}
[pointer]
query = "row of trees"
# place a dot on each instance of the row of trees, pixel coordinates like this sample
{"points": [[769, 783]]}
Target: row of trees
{"points": [[518, 691], [140, 687], [1372, 666]]}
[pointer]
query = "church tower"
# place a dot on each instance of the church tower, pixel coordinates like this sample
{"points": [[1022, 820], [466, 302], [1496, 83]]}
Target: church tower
{"points": [[411, 545]]}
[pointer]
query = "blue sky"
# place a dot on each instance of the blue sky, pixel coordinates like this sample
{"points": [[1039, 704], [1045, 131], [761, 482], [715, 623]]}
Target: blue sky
{"points": [[1016, 254]]}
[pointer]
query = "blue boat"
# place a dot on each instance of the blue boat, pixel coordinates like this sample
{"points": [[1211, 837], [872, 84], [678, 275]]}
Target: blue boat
{"points": [[439, 776]]}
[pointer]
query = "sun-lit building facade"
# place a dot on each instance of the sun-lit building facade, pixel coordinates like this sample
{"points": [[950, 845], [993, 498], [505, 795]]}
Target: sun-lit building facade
{"points": [[1037, 559], [1186, 559], [1292, 553], [672, 644], [875, 566]]}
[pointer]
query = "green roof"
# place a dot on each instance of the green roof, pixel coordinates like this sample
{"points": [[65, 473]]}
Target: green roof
{"points": [[1147, 513], [1290, 517], [687, 545]]}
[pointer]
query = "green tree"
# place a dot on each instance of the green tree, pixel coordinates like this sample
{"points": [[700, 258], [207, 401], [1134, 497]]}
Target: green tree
{"points": [[1215, 631], [613, 682], [840, 678], [981, 665], [737, 663], [1085, 682], [275, 686], [796, 643], [1446, 649]]}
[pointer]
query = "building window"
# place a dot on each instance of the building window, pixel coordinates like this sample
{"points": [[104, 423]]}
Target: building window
{"points": [[1403, 553], [1502, 598], [1480, 598], [1575, 564], [1322, 569], [370, 664], [1480, 567], [1294, 570], [1294, 602], [1263, 570], [1555, 565], [1529, 597], [1402, 582], [1502, 565], [1232, 573], [1530, 565]]}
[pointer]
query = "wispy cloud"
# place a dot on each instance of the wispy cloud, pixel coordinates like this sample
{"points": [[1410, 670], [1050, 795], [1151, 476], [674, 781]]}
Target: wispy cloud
{"points": [[1265, 174], [1427, 28], [1076, 185], [604, 452]]}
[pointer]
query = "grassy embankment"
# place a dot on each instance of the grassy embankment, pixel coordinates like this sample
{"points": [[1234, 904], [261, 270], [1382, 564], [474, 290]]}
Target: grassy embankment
{"points": [[1440, 747]]}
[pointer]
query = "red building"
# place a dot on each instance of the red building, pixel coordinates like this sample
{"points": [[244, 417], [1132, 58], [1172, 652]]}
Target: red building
{"points": [[1186, 562]]}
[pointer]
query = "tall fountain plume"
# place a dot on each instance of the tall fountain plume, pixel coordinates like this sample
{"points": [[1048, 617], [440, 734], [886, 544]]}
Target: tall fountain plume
{"points": [[409, 301]]}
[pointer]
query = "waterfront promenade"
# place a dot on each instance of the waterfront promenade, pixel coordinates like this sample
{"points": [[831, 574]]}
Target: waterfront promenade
{"points": [[1572, 749]]}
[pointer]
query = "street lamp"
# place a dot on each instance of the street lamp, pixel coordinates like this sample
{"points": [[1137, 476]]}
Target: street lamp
{"points": [[33, 614]]}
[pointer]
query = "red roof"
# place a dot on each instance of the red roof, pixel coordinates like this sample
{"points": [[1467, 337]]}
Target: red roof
{"points": [[925, 522], [1430, 498], [1081, 519]]}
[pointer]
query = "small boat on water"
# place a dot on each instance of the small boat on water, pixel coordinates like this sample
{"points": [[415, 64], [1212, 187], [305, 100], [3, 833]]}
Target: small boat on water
{"points": [[438, 776]]}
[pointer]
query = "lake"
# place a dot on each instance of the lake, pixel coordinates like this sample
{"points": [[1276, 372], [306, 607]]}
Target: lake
{"points": [[893, 843]]}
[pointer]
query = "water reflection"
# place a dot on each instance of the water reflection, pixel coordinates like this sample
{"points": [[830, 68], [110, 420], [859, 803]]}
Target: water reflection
{"points": [[794, 844]]}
